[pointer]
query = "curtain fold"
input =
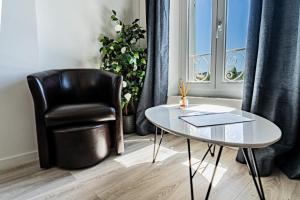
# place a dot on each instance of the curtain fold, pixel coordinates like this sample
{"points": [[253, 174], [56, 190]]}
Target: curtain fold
{"points": [[272, 80], [156, 81]]}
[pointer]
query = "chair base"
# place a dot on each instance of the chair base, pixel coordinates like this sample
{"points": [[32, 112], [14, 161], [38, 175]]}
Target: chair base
{"points": [[82, 146]]}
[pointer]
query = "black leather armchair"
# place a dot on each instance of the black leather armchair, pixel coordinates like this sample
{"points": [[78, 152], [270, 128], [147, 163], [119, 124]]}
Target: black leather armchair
{"points": [[74, 98]]}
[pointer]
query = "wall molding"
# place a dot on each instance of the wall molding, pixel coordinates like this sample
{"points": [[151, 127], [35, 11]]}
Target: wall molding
{"points": [[18, 160]]}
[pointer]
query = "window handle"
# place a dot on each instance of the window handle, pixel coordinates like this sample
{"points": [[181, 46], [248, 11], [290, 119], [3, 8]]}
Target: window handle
{"points": [[219, 28]]}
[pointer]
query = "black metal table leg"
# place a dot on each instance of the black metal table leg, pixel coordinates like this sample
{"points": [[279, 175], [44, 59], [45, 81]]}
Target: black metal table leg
{"points": [[154, 144], [254, 171], [161, 137], [252, 155], [190, 169], [212, 152], [214, 172], [203, 158], [209, 150]]}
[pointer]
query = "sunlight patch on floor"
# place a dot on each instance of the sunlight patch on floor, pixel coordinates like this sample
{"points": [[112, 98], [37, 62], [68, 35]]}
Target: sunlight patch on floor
{"points": [[206, 170], [145, 155]]}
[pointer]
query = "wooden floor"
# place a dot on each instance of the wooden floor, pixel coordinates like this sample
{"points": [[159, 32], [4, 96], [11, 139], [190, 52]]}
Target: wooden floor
{"points": [[133, 176]]}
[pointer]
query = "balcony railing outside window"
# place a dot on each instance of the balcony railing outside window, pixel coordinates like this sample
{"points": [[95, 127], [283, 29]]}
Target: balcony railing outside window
{"points": [[233, 70]]}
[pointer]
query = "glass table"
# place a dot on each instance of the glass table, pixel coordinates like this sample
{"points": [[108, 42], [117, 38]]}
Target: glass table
{"points": [[247, 136]]}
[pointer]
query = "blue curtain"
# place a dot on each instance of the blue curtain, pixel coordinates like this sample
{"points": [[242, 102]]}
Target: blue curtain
{"points": [[156, 81], [272, 80]]}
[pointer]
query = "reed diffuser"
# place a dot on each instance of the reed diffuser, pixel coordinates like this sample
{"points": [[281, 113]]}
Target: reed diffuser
{"points": [[183, 90]]}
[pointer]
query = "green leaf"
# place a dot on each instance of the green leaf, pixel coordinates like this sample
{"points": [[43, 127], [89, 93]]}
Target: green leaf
{"points": [[135, 21], [136, 55], [114, 18], [114, 12], [143, 61], [120, 39], [130, 60], [118, 69]]}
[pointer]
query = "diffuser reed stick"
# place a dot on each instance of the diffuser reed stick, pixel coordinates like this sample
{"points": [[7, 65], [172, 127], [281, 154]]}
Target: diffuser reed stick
{"points": [[183, 90]]}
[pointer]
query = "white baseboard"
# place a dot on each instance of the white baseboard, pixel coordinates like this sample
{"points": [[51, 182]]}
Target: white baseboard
{"points": [[17, 160]]}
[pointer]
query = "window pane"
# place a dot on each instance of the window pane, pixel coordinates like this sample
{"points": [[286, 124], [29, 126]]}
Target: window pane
{"points": [[236, 35], [200, 48]]}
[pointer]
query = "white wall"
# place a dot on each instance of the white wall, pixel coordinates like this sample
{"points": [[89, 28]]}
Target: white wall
{"points": [[18, 57], [44, 34], [175, 47], [68, 29]]}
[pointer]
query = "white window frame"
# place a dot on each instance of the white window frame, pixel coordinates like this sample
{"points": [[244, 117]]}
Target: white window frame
{"points": [[217, 86]]}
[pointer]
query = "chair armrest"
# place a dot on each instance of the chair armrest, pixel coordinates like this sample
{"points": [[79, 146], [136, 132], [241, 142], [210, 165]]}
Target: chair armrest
{"points": [[41, 105], [111, 88], [39, 89], [38, 94]]}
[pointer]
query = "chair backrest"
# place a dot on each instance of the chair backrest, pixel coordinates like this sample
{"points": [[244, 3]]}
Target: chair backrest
{"points": [[80, 86], [71, 86]]}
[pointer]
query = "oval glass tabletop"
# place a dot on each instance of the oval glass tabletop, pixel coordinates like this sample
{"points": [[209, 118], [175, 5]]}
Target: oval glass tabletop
{"points": [[255, 134]]}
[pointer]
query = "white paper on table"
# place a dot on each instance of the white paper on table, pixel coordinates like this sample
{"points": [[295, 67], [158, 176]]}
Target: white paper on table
{"points": [[215, 119]]}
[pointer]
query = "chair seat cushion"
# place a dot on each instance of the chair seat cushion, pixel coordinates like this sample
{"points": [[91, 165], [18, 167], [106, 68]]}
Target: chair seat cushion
{"points": [[79, 113]]}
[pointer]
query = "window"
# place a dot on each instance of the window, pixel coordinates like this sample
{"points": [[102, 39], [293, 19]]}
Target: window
{"points": [[236, 33], [217, 32]]}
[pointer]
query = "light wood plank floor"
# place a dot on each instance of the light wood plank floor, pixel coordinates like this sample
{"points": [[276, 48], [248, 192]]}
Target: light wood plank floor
{"points": [[132, 176]]}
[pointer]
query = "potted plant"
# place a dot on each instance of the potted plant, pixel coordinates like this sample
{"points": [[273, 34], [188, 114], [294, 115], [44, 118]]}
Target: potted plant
{"points": [[123, 56]]}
